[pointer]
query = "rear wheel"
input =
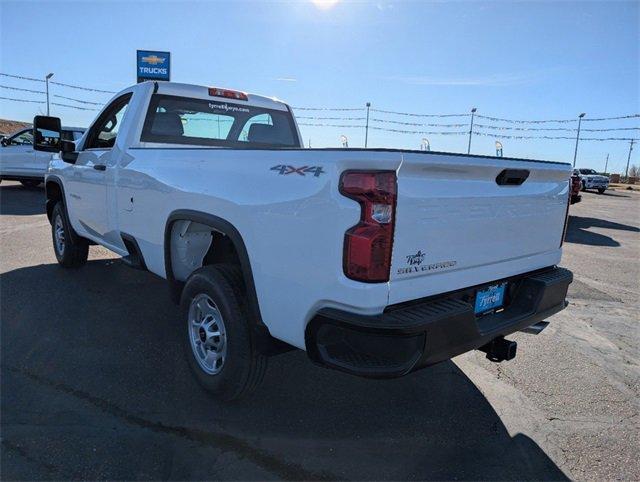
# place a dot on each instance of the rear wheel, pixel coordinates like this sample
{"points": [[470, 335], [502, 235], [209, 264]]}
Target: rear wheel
{"points": [[30, 183], [584, 186], [219, 343], [71, 250]]}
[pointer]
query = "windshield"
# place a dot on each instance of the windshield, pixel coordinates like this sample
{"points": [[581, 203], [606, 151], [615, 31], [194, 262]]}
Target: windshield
{"points": [[182, 120], [587, 171]]}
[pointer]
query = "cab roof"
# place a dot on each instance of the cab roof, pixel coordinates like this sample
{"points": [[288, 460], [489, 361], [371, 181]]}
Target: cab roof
{"points": [[203, 92]]}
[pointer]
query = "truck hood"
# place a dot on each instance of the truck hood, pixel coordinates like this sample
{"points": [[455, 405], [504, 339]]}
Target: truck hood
{"points": [[595, 177]]}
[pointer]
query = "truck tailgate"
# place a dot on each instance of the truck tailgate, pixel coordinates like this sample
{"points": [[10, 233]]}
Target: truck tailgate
{"points": [[457, 226]]}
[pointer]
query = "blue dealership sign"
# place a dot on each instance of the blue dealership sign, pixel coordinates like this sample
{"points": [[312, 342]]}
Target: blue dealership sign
{"points": [[153, 65]]}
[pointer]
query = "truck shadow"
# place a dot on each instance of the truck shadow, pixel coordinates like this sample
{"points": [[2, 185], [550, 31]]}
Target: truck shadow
{"points": [[17, 200], [578, 231], [92, 370]]}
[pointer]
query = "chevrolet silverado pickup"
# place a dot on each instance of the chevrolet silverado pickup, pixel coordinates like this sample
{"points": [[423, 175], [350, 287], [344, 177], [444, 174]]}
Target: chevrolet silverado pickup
{"points": [[376, 262]]}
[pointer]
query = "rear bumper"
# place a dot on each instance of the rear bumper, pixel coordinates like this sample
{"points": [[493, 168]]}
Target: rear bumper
{"points": [[414, 335]]}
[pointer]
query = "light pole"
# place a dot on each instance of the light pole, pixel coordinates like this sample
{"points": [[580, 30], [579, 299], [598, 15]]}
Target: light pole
{"points": [[473, 111], [575, 154], [606, 164], [626, 173], [46, 79], [366, 128], [424, 145]]}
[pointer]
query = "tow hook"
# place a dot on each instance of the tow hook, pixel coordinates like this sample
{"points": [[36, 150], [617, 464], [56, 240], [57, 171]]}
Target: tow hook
{"points": [[499, 349]]}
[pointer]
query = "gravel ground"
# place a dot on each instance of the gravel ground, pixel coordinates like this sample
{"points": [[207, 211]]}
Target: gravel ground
{"points": [[94, 384]]}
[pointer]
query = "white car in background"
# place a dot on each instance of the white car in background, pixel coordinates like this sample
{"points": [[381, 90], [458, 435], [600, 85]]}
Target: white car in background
{"points": [[590, 179], [20, 162]]}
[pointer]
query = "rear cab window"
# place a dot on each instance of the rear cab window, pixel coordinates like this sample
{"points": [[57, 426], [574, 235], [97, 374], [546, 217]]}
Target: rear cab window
{"points": [[216, 122]]}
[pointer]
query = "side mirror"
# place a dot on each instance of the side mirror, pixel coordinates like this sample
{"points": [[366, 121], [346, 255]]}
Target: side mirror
{"points": [[68, 152], [46, 133]]}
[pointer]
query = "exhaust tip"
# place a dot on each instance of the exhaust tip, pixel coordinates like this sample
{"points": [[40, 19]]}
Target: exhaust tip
{"points": [[536, 329]]}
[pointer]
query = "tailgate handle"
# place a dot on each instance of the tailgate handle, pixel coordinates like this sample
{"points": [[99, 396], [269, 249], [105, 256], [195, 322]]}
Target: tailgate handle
{"points": [[512, 177]]}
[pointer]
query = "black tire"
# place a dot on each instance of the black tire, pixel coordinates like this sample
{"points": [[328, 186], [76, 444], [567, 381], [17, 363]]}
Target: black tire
{"points": [[244, 367], [30, 183], [584, 186], [74, 250], [601, 190]]}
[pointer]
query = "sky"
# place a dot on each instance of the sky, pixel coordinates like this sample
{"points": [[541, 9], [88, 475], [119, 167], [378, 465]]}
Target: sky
{"points": [[514, 60]]}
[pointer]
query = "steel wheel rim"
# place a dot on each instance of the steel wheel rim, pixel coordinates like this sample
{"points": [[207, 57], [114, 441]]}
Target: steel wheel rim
{"points": [[207, 334], [58, 232]]}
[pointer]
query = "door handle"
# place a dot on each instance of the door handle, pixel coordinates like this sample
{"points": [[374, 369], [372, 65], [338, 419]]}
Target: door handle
{"points": [[100, 167]]}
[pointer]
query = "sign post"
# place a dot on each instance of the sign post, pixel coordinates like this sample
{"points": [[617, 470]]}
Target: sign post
{"points": [[153, 65]]}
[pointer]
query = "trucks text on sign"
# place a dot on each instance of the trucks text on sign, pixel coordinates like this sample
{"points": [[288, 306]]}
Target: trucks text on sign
{"points": [[152, 65]]}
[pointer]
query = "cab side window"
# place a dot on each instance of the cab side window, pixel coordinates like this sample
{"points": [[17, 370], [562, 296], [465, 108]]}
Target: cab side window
{"points": [[105, 131], [22, 139]]}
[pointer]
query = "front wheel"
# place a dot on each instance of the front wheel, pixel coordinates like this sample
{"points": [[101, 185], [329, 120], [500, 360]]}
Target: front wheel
{"points": [[217, 337], [30, 183], [601, 190], [71, 250]]}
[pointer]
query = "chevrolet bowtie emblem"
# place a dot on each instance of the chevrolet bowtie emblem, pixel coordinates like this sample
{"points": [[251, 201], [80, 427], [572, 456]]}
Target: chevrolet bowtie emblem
{"points": [[153, 59]]}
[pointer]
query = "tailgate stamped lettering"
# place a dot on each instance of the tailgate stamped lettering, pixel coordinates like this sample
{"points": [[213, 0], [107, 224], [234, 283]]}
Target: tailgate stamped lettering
{"points": [[415, 261]]}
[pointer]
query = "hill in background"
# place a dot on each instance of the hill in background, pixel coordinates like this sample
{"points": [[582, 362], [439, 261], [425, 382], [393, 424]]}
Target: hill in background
{"points": [[9, 126]]}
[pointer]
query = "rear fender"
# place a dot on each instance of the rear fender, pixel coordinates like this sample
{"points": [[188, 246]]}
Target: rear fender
{"points": [[222, 226]]}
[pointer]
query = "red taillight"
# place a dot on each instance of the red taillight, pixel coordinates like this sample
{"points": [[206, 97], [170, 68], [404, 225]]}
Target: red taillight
{"points": [[566, 214], [229, 94], [368, 244], [575, 185]]}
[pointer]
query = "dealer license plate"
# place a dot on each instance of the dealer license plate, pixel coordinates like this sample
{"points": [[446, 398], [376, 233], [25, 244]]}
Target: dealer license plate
{"points": [[490, 298]]}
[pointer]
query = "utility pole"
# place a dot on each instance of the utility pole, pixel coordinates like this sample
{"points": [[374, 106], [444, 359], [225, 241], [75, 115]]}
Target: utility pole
{"points": [[473, 112], [606, 163], [46, 79], [366, 128], [575, 153], [626, 173]]}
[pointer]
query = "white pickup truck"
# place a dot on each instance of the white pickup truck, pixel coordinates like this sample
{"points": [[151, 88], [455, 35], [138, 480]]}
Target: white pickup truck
{"points": [[377, 262], [590, 179], [18, 160]]}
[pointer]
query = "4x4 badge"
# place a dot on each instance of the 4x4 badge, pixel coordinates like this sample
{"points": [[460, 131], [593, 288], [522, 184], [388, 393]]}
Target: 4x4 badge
{"points": [[284, 170]]}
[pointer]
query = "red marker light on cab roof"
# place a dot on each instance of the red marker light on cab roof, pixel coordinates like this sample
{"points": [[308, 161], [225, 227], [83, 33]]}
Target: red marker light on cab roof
{"points": [[229, 94]]}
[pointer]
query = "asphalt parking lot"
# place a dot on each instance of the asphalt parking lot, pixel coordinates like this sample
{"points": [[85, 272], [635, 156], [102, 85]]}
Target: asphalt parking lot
{"points": [[94, 384]]}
